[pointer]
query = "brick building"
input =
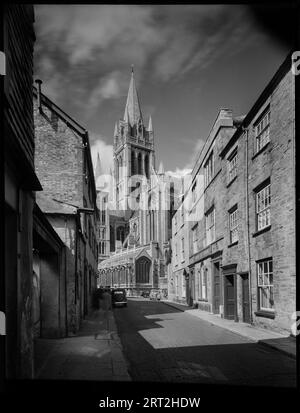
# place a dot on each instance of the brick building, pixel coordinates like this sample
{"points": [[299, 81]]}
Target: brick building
{"points": [[205, 217], [242, 212], [20, 184], [178, 285], [261, 260], [64, 167]]}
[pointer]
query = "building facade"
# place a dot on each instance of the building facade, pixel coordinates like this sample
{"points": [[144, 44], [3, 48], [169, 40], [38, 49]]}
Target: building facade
{"points": [[21, 183], [64, 166], [241, 217], [261, 258]]}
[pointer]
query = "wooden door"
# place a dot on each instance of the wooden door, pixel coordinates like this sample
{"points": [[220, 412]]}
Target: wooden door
{"points": [[229, 297]]}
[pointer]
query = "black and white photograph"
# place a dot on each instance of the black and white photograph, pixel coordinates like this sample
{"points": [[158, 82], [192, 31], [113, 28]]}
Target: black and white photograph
{"points": [[149, 199]]}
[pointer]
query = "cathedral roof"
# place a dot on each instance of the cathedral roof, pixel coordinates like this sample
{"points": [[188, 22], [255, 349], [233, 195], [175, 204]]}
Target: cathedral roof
{"points": [[132, 109]]}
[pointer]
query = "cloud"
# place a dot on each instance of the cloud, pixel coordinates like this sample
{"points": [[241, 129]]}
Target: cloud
{"points": [[98, 145], [88, 41], [178, 173]]}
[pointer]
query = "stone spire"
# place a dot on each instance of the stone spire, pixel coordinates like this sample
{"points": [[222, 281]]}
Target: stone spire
{"points": [[98, 170], [132, 109], [150, 127], [161, 169], [116, 129]]}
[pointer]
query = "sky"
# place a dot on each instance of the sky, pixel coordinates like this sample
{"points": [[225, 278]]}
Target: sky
{"points": [[189, 61]]}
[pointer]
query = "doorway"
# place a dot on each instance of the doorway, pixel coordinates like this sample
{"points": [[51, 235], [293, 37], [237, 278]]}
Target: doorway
{"points": [[229, 297]]}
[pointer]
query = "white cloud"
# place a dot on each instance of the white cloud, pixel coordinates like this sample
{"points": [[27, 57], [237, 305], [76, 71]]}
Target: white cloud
{"points": [[178, 173]]}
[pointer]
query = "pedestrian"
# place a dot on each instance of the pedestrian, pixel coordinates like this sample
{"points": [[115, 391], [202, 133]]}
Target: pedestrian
{"points": [[107, 299], [100, 292]]}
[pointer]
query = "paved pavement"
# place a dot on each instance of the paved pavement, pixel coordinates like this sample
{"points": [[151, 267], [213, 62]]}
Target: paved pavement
{"points": [[94, 354], [165, 344], [282, 343]]}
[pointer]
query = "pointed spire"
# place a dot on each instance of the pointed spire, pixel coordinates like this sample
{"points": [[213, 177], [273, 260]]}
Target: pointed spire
{"points": [[161, 168], [98, 170], [126, 115], [150, 127], [132, 109], [116, 129]]}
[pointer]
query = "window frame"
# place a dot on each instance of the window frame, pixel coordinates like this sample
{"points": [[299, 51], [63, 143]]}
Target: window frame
{"points": [[208, 230], [209, 169], [263, 215], [262, 132], [232, 157], [195, 241], [233, 219], [262, 275]]}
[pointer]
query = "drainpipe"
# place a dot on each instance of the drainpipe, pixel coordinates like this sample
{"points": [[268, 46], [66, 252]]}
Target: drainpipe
{"points": [[39, 93], [246, 132], [66, 281]]}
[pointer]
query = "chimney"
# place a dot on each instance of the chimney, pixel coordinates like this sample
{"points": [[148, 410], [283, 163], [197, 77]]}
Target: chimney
{"points": [[39, 93]]}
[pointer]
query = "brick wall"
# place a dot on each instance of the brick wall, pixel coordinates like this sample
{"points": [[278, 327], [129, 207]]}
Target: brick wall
{"points": [[277, 162], [58, 156]]}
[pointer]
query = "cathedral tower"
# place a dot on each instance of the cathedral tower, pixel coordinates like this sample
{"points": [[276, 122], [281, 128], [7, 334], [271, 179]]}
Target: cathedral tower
{"points": [[133, 147]]}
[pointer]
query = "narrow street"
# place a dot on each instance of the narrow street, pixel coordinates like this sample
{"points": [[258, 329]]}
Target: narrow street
{"points": [[163, 344]]}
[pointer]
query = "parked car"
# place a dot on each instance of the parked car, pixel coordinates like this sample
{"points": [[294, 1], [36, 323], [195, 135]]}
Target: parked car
{"points": [[145, 294], [155, 295], [119, 297]]}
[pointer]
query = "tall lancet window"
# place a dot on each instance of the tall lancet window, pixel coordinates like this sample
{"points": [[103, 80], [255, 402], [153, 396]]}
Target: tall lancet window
{"points": [[140, 164], [133, 172], [147, 166]]}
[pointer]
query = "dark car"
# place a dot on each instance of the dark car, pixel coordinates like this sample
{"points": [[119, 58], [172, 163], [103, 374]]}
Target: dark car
{"points": [[118, 296]]}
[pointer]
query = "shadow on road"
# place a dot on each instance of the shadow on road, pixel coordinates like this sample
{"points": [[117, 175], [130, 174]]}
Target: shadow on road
{"points": [[164, 344]]}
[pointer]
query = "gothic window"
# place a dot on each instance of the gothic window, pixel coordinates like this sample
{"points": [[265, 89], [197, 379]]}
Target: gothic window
{"points": [[120, 234], [142, 270], [147, 166], [133, 171], [117, 169], [112, 238], [140, 164]]}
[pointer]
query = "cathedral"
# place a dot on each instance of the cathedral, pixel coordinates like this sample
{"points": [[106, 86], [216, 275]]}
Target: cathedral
{"points": [[136, 208]]}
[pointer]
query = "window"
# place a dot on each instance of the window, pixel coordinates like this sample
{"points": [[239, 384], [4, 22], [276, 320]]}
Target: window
{"points": [[182, 249], [263, 211], [183, 286], [232, 166], [202, 283], [209, 169], [233, 225], [262, 131], [194, 238], [103, 216], [210, 226], [265, 285]]}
